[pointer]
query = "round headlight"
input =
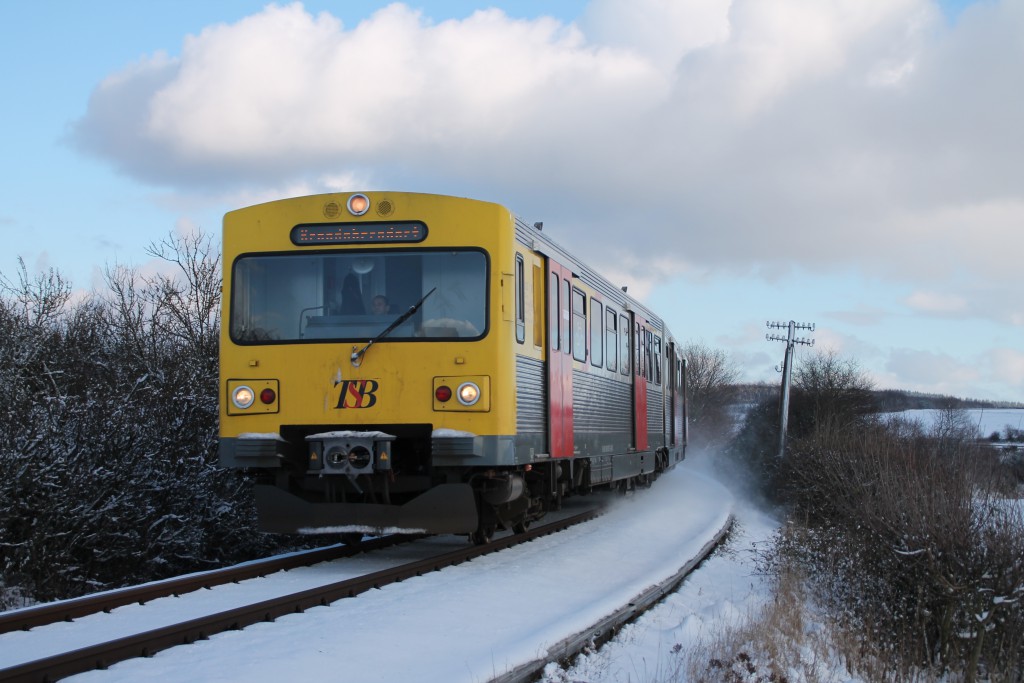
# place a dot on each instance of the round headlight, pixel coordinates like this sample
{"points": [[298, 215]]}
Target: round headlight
{"points": [[468, 393], [243, 396], [358, 204]]}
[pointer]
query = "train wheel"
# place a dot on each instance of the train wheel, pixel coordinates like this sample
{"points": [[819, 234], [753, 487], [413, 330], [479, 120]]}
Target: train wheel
{"points": [[483, 534]]}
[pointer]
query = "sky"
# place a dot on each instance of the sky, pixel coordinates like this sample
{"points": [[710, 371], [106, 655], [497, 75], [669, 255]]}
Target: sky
{"points": [[855, 164]]}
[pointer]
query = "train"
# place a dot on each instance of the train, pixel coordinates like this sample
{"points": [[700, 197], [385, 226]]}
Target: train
{"points": [[397, 362]]}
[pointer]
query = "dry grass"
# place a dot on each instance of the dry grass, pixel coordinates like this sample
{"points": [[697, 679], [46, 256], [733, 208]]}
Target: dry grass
{"points": [[791, 640], [784, 643]]}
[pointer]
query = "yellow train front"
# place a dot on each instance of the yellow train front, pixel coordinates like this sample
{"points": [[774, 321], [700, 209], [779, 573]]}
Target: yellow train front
{"points": [[370, 349]]}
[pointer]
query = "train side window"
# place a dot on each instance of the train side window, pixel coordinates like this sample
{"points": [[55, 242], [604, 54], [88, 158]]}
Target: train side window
{"points": [[657, 359], [579, 325], [520, 299], [651, 359], [563, 321], [623, 345], [648, 347], [538, 306], [679, 375], [554, 311], [638, 366], [611, 339], [596, 333], [642, 345]]}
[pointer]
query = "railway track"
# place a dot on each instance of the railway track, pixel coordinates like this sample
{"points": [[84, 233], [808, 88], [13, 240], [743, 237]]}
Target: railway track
{"points": [[604, 630], [67, 610], [102, 655]]}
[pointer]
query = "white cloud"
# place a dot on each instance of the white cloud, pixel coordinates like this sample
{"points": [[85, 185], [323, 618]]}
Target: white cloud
{"points": [[661, 30], [778, 46], [714, 133], [282, 91], [862, 316], [932, 302], [933, 372], [1007, 365]]}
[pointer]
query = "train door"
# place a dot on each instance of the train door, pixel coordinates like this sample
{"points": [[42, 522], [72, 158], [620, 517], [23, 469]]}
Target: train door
{"points": [[676, 395], [684, 418], [559, 370], [639, 366]]}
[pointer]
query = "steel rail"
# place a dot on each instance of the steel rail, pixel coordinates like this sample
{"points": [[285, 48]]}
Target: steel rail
{"points": [[146, 644], [66, 610]]}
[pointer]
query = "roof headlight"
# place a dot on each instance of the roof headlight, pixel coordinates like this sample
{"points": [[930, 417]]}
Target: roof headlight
{"points": [[468, 393], [358, 204]]}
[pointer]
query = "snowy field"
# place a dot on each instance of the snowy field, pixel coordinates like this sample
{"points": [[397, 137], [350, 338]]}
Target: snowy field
{"points": [[477, 620], [988, 420]]}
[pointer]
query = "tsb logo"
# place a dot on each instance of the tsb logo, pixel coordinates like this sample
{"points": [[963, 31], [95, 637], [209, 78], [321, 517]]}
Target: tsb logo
{"points": [[357, 393]]}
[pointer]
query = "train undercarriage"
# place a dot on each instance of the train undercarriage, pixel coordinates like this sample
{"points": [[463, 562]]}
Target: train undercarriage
{"points": [[384, 480]]}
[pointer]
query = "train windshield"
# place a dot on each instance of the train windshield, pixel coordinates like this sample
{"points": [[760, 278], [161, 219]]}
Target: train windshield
{"points": [[355, 295]]}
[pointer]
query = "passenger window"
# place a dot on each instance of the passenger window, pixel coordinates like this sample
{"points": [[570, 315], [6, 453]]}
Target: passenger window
{"points": [[554, 311], [657, 359], [563, 321], [596, 333], [638, 367], [538, 306], [611, 339], [579, 325], [649, 344], [623, 345], [520, 299]]}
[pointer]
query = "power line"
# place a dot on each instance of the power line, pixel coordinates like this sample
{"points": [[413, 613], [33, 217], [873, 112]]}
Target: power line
{"points": [[787, 369]]}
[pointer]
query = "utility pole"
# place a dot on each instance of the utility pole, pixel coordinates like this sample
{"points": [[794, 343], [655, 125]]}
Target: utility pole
{"points": [[787, 370]]}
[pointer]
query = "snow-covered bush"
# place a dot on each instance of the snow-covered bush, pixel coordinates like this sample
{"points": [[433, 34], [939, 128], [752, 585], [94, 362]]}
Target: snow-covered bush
{"points": [[108, 466], [898, 529], [829, 395]]}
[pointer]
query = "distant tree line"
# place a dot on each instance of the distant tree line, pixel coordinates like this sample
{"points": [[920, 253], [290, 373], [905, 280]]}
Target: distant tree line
{"points": [[894, 400], [108, 430], [885, 400]]}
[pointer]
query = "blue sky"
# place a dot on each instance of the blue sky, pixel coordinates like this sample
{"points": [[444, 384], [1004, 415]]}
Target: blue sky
{"points": [[852, 164]]}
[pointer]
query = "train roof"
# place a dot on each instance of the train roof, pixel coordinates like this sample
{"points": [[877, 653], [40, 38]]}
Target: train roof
{"points": [[525, 232]]}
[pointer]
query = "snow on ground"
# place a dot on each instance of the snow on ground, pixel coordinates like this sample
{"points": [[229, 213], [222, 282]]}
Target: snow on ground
{"points": [[480, 619], [988, 420], [725, 592]]}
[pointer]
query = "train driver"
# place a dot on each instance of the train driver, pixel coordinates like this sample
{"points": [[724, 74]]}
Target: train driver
{"points": [[380, 305]]}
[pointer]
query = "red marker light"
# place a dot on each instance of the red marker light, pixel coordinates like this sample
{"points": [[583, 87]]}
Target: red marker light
{"points": [[267, 396], [443, 393]]}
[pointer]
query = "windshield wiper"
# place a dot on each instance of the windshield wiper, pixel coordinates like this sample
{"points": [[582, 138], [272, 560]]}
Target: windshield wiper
{"points": [[357, 356]]}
